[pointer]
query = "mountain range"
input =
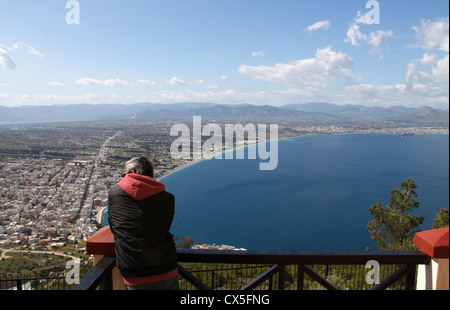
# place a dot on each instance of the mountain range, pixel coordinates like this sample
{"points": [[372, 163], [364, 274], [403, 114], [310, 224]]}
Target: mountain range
{"points": [[313, 113]]}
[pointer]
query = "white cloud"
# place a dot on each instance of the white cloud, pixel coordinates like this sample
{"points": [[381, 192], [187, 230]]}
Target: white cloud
{"points": [[30, 49], [433, 68], [145, 83], [108, 82], [428, 59], [355, 36], [398, 94], [6, 61], [438, 70], [362, 18], [433, 35], [327, 65], [116, 83], [376, 37], [223, 77], [414, 74], [259, 53], [176, 81], [325, 24], [89, 82], [56, 83], [441, 70]]}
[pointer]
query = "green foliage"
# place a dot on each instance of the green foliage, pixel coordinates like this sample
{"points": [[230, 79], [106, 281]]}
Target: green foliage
{"points": [[185, 243], [441, 219], [393, 227], [26, 263]]}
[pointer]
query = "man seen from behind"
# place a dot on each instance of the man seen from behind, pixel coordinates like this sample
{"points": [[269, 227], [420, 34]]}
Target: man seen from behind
{"points": [[140, 215]]}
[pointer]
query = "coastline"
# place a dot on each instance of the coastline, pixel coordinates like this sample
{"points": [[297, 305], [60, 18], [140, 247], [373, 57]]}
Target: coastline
{"points": [[180, 167], [196, 161], [396, 131]]}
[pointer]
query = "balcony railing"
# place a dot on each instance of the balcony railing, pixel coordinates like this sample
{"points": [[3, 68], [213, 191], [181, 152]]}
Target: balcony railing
{"points": [[275, 267], [288, 269], [249, 270]]}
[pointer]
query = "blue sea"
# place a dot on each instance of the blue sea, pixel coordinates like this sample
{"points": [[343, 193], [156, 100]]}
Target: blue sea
{"points": [[316, 199]]}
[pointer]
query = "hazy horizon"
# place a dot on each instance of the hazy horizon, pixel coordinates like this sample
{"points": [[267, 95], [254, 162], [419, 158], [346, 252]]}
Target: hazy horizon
{"points": [[375, 53], [215, 103]]}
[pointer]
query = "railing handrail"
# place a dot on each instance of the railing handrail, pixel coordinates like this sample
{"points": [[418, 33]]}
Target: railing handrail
{"points": [[302, 257]]}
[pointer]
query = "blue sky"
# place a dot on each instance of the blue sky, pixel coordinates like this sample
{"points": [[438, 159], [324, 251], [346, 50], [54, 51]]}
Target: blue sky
{"points": [[225, 51]]}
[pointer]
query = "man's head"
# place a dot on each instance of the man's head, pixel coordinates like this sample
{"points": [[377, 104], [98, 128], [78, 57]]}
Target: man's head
{"points": [[139, 165]]}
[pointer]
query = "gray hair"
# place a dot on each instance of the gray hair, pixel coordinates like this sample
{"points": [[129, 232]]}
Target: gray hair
{"points": [[140, 165]]}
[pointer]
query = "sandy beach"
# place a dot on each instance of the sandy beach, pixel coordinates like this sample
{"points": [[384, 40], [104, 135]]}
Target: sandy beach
{"points": [[195, 161], [185, 165]]}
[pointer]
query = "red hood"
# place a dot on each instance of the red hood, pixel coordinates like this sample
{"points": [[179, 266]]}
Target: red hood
{"points": [[140, 187]]}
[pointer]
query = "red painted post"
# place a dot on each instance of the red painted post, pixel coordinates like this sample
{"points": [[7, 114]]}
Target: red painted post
{"points": [[102, 244], [434, 243]]}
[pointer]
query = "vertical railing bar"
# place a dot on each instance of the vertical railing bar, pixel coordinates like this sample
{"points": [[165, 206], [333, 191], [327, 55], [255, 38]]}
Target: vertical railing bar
{"points": [[300, 276], [411, 277], [281, 277]]}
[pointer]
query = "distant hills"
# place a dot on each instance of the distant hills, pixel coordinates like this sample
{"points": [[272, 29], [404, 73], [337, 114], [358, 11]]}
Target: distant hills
{"points": [[312, 113], [85, 112]]}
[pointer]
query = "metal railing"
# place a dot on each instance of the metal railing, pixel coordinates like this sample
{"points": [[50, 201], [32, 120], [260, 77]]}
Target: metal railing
{"points": [[41, 280], [33, 282], [249, 270]]}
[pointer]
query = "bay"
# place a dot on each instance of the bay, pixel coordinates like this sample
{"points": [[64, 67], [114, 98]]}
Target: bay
{"points": [[316, 199]]}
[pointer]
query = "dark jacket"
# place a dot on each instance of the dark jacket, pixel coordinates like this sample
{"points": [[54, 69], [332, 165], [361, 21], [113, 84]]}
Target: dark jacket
{"points": [[140, 215]]}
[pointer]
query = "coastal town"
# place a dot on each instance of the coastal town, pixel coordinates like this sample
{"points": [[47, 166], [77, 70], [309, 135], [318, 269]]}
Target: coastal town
{"points": [[48, 198], [55, 177]]}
